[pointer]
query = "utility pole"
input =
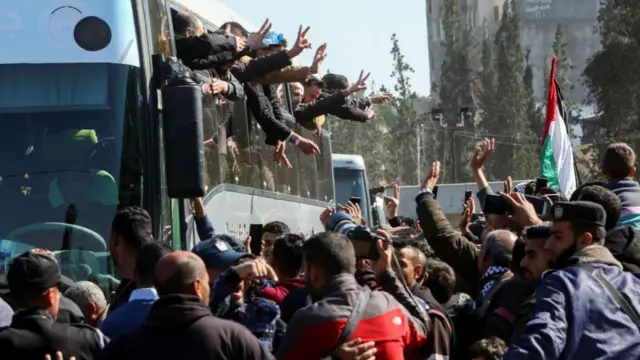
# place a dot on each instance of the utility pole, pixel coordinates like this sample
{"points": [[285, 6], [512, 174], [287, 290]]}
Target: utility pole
{"points": [[465, 115], [418, 153]]}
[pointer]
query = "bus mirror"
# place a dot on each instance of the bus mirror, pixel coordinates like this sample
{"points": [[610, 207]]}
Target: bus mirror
{"points": [[183, 142]]}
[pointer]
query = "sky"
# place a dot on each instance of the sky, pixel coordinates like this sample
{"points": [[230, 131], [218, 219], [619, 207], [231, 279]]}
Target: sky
{"points": [[357, 33]]}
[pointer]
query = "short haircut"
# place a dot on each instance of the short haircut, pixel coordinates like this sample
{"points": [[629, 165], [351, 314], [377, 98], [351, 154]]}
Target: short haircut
{"points": [[85, 292], [539, 231], [147, 259], [185, 20], [605, 198], [406, 243], [235, 27], [407, 221], [133, 225], [421, 243], [276, 227], [618, 161], [597, 232], [332, 252], [185, 274], [576, 193], [441, 281], [497, 249], [287, 253], [491, 348]]}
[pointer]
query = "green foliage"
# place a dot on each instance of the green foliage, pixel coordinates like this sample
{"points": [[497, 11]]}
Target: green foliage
{"points": [[612, 77], [455, 90]]}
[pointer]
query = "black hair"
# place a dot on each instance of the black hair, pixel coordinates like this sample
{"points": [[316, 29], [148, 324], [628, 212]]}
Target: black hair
{"points": [[332, 252], [406, 243], [576, 192], [539, 231], [288, 255], [147, 259], [187, 270], [422, 244], [235, 27], [597, 232], [407, 221], [517, 254], [441, 280], [133, 225], [276, 227], [183, 21], [605, 198], [491, 348]]}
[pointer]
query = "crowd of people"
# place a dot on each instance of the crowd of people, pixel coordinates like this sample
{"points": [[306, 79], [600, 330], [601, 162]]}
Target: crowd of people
{"points": [[508, 282]]}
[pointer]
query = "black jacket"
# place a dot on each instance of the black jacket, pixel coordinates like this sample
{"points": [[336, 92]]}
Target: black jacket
{"points": [[624, 244], [182, 327], [34, 334], [324, 105], [207, 51]]}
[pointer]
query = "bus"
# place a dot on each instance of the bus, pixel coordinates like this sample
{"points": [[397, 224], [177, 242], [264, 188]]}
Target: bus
{"points": [[350, 178], [82, 136]]}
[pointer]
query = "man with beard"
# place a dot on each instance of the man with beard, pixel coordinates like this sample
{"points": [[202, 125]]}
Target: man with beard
{"points": [[399, 331], [508, 321], [586, 299]]}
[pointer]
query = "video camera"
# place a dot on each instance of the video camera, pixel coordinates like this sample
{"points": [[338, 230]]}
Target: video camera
{"points": [[363, 239]]}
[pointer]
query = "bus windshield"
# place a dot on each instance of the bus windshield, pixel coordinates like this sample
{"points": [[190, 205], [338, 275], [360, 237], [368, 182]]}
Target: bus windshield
{"points": [[352, 183], [64, 129]]}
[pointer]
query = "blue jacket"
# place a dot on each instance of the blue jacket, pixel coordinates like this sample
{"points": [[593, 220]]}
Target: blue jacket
{"points": [[576, 318], [126, 318], [628, 192]]}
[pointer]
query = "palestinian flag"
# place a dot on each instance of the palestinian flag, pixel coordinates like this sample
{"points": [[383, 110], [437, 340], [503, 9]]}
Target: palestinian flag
{"points": [[556, 159]]}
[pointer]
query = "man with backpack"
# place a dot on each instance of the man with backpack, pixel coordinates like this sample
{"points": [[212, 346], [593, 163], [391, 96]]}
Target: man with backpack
{"points": [[343, 311]]}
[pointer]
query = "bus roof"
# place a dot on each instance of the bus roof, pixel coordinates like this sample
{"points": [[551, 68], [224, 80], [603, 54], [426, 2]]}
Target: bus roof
{"points": [[347, 161], [214, 12]]}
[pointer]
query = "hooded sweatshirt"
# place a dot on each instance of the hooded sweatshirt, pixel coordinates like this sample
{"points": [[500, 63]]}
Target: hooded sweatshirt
{"points": [[624, 244], [182, 327], [628, 192]]}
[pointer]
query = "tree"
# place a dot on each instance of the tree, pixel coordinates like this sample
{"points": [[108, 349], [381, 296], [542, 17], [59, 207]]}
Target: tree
{"points": [[455, 89], [512, 100], [612, 77], [564, 65]]}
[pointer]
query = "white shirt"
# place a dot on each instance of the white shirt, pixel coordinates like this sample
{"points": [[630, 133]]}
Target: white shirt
{"points": [[144, 294]]}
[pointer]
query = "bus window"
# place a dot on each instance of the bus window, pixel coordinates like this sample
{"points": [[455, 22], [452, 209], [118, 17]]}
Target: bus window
{"points": [[325, 169], [160, 27]]}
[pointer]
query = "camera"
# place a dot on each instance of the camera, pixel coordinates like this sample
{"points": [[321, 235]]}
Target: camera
{"points": [[363, 239]]}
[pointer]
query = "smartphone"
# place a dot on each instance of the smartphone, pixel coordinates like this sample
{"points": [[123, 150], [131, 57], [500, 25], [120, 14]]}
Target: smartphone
{"points": [[467, 195], [541, 183], [495, 204], [255, 231], [434, 191], [354, 200]]}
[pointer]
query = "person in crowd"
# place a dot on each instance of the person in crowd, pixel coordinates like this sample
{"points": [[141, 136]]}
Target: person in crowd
{"points": [[217, 256], [586, 283], [508, 321], [412, 268], [240, 285], [619, 168], [622, 241], [180, 324], [440, 279], [130, 230], [287, 260], [6, 313], [131, 315], [202, 51], [91, 301], [33, 280], [487, 349], [69, 312], [314, 331], [271, 231]]}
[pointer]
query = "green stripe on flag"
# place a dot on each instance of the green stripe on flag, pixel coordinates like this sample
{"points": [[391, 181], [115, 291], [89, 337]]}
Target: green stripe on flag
{"points": [[548, 166]]}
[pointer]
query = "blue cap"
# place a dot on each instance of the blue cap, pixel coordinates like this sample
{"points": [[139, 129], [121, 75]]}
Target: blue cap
{"points": [[217, 254]]}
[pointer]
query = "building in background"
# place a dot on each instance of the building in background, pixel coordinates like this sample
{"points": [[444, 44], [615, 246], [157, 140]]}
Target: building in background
{"points": [[538, 22]]}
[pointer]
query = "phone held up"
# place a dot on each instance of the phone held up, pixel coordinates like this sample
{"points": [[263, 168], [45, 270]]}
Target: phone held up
{"points": [[495, 204]]}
